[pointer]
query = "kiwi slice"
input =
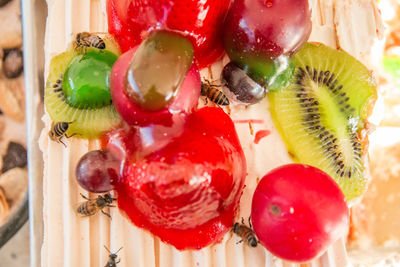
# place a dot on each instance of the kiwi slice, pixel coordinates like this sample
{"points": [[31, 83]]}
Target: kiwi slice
{"points": [[77, 90], [323, 111]]}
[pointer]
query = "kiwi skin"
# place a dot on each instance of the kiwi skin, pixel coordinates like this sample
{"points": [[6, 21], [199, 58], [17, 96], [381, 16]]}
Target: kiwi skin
{"points": [[90, 123], [323, 118]]}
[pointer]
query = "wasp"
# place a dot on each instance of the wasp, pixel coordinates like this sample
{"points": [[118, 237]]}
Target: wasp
{"points": [[84, 40], [58, 130], [211, 91], [91, 206], [112, 258], [246, 233]]}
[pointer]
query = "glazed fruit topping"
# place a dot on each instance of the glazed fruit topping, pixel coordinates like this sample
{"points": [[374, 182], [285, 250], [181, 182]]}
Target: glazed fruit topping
{"points": [[77, 90], [97, 170], [186, 192], [298, 211], [260, 36], [158, 69], [201, 21], [151, 84], [321, 114], [86, 83]]}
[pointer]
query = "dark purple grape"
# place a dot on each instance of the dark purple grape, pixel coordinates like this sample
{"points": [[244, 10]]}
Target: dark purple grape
{"points": [[241, 86], [97, 170]]}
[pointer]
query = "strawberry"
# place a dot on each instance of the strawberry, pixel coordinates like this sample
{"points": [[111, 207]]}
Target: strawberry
{"points": [[186, 192], [201, 21]]}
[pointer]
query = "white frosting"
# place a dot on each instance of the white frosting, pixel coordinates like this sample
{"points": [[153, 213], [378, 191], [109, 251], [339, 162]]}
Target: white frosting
{"points": [[70, 240]]}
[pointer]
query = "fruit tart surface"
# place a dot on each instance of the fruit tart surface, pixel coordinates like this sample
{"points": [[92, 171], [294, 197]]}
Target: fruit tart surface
{"points": [[72, 241]]}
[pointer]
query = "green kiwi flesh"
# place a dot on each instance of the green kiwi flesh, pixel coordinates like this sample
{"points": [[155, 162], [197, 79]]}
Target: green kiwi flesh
{"points": [[87, 122], [321, 113]]}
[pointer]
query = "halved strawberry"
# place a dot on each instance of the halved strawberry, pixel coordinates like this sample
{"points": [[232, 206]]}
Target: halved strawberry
{"points": [[188, 191]]}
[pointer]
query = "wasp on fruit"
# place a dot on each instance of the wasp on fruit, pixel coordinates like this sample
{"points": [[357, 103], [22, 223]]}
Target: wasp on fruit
{"points": [[112, 258], [58, 130], [91, 206], [211, 91], [246, 233], [85, 40]]}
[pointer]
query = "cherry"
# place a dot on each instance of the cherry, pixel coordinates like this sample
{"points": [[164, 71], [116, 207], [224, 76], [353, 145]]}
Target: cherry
{"points": [[298, 211], [259, 36]]}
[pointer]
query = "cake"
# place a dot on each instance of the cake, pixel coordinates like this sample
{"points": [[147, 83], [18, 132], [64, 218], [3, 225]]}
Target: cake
{"points": [[70, 240], [374, 238]]}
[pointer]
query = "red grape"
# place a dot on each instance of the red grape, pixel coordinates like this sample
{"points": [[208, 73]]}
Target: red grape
{"points": [[298, 211], [97, 170]]}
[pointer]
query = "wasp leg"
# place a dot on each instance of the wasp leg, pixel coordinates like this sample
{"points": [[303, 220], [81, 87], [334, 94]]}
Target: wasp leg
{"points": [[62, 142], [105, 213], [241, 240], [85, 197], [111, 206], [251, 226], [69, 136], [84, 54], [242, 220], [119, 260]]}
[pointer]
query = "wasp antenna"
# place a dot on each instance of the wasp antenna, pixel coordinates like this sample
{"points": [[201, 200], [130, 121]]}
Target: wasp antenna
{"points": [[107, 249], [118, 250], [85, 197]]}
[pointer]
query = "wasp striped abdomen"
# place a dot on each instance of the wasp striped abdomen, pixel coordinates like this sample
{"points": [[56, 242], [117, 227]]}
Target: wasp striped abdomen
{"points": [[246, 233], [211, 91], [59, 130]]}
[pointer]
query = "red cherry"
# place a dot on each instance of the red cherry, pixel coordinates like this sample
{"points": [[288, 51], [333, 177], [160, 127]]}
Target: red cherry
{"points": [[133, 114], [131, 21], [298, 211], [188, 191], [267, 28]]}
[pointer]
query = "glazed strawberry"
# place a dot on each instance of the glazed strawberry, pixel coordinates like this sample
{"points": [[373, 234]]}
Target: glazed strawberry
{"points": [[131, 21], [159, 79], [188, 191]]}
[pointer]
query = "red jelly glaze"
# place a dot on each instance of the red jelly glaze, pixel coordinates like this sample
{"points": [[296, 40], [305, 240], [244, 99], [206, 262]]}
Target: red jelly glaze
{"points": [[188, 191], [260, 135], [135, 115], [201, 21]]}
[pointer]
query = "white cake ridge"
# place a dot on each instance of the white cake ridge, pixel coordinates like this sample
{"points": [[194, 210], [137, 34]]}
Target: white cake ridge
{"points": [[74, 241]]}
